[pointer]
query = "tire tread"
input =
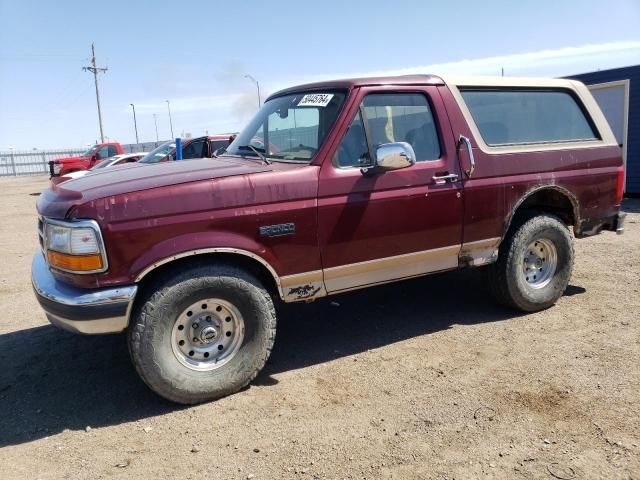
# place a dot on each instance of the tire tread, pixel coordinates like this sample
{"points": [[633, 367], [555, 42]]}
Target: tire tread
{"points": [[145, 315], [498, 273]]}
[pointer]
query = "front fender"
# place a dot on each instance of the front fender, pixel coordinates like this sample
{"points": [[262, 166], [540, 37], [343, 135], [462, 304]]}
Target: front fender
{"points": [[73, 166], [200, 243]]}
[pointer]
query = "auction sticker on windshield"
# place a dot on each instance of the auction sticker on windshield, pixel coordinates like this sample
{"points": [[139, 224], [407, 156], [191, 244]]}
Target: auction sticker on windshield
{"points": [[315, 100]]}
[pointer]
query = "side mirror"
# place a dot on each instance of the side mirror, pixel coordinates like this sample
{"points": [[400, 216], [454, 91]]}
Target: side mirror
{"points": [[393, 156]]}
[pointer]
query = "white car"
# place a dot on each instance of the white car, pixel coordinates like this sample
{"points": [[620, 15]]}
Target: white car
{"points": [[106, 163]]}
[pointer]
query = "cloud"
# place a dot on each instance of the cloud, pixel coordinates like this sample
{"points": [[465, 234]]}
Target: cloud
{"points": [[235, 101], [551, 62], [189, 104]]}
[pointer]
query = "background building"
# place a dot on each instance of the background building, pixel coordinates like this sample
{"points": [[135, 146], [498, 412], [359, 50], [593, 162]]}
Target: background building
{"points": [[617, 91]]}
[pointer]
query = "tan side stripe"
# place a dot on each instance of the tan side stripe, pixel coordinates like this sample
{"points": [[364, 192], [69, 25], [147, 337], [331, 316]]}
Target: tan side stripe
{"points": [[480, 252], [301, 278], [480, 244], [389, 262], [355, 275]]}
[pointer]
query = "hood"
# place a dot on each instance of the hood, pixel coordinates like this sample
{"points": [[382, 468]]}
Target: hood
{"points": [[77, 174], [68, 159], [134, 177]]}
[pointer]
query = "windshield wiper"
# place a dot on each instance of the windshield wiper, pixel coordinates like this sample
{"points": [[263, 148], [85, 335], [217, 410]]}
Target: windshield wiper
{"points": [[256, 151]]}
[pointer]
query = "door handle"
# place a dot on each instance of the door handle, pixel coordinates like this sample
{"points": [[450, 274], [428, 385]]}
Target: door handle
{"points": [[472, 161], [450, 177]]}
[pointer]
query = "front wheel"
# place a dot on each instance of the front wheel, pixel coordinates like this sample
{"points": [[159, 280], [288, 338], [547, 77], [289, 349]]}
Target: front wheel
{"points": [[205, 333], [534, 265]]}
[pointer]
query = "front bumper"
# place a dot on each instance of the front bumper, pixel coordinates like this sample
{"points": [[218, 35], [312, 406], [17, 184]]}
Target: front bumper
{"points": [[53, 166], [79, 310]]}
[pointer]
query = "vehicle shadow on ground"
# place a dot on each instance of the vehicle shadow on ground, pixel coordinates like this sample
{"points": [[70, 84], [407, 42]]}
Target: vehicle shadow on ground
{"points": [[52, 380]]}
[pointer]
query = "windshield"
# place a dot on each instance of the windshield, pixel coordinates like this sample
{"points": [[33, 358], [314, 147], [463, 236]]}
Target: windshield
{"points": [[159, 154], [103, 163], [90, 152], [290, 128]]}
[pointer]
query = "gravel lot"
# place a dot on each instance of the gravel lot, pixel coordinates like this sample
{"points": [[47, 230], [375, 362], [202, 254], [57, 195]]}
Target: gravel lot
{"points": [[421, 379]]}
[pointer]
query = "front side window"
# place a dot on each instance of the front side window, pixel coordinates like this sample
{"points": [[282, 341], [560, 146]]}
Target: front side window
{"points": [[194, 150], [103, 153], [101, 164], [90, 152], [290, 128], [122, 161], [391, 117], [353, 150], [160, 153], [520, 116]]}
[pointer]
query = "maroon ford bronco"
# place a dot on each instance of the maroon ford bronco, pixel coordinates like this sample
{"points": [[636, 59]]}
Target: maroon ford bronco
{"points": [[331, 187]]}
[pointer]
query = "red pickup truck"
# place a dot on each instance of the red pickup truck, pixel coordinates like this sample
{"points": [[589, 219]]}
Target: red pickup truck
{"points": [[97, 153], [332, 187]]}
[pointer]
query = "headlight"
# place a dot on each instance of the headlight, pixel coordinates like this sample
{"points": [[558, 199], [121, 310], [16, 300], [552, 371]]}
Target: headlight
{"points": [[56, 168], [74, 241], [75, 246]]}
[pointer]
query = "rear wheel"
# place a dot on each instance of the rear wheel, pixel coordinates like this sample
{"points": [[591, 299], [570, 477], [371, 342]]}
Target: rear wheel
{"points": [[535, 264], [205, 333]]}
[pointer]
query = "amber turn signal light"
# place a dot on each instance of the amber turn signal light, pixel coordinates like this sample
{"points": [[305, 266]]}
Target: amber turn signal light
{"points": [[78, 263]]}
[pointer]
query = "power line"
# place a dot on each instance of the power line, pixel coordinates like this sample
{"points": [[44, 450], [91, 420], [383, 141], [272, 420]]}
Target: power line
{"points": [[95, 70], [72, 102], [39, 57], [28, 55], [70, 88]]}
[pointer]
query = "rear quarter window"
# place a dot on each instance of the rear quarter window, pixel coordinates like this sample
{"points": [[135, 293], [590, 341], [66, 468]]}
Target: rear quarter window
{"points": [[520, 116]]}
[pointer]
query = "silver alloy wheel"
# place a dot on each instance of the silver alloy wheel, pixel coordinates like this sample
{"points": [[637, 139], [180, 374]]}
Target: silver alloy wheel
{"points": [[207, 334], [540, 263]]}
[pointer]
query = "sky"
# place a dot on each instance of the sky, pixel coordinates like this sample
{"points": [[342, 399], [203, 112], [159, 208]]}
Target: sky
{"points": [[196, 55]]}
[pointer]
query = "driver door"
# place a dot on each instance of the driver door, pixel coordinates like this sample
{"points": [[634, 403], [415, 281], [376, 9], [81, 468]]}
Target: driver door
{"points": [[101, 154], [379, 227]]}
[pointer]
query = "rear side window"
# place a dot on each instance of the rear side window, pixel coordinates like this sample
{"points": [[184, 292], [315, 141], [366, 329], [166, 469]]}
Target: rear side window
{"points": [[516, 116]]}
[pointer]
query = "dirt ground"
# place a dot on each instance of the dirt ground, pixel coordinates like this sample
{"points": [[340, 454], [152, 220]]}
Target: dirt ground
{"points": [[421, 379]]}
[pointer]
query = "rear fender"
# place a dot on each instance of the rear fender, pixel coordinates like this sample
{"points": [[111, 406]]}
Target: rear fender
{"points": [[538, 189]]}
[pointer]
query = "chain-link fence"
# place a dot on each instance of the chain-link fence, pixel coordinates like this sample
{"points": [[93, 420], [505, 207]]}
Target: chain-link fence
{"points": [[36, 162]]}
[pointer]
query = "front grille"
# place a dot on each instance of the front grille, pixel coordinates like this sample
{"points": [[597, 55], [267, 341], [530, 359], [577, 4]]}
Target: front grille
{"points": [[41, 233]]}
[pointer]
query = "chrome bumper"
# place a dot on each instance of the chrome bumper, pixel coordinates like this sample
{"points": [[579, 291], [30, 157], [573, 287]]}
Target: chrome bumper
{"points": [[79, 310], [619, 224]]}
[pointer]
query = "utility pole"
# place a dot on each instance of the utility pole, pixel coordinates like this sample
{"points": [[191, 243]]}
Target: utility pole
{"points": [[253, 80], [95, 70], [155, 119], [170, 122], [135, 124]]}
